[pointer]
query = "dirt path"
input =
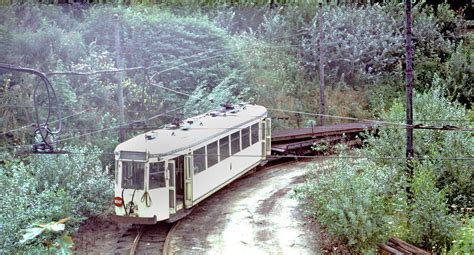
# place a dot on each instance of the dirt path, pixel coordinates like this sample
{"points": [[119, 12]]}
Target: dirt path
{"points": [[253, 215], [98, 236]]}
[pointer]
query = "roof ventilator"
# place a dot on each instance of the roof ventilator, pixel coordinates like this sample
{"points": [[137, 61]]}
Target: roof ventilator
{"points": [[187, 125], [149, 136]]}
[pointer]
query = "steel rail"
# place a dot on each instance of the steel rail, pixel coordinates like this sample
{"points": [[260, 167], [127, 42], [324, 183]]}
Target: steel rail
{"points": [[168, 238], [137, 240]]}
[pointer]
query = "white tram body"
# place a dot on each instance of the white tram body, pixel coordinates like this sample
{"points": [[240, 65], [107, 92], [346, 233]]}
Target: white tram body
{"points": [[161, 174]]}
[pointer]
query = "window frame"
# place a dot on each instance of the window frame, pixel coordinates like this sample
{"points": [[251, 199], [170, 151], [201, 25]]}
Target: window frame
{"points": [[228, 148], [132, 162], [243, 145], [255, 133], [236, 139], [203, 155], [164, 174], [210, 154]]}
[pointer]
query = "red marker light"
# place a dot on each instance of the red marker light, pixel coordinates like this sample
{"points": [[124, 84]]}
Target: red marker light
{"points": [[118, 201]]}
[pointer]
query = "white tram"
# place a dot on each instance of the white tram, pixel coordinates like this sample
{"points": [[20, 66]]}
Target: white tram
{"points": [[161, 174]]}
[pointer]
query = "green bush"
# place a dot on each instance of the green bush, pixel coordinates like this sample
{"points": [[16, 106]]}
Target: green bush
{"points": [[357, 202], [365, 201], [432, 108], [464, 240], [49, 188], [191, 54], [430, 224]]}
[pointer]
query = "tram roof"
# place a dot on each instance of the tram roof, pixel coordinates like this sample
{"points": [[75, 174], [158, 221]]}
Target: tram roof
{"points": [[205, 127]]}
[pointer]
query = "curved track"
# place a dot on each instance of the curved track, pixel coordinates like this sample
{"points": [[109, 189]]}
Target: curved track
{"points": [[146, 239]]}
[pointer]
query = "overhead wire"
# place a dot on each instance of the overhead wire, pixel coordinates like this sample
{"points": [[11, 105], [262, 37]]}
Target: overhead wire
{"points": [[342, 117], [127, 69], [292, 156], [29, 106], [367, 120], [219, 51], [273, 156], [42, 130], [222, 52], [198, 54], [199, 60], [150, 128], [118, 126], [182, 93], [49, 89], [89, 133], [231, 51], [54, 121]]}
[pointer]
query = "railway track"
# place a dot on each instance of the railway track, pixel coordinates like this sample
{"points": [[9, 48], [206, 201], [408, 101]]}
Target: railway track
{"points": [[146, 239]]}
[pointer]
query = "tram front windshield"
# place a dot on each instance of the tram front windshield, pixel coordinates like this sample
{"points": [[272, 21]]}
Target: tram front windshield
{"points": [[133, 175]]}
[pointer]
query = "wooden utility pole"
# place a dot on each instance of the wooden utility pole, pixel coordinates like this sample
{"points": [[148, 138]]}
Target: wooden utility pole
{"points": [[409, 87], [322, 100], [120, 65]]}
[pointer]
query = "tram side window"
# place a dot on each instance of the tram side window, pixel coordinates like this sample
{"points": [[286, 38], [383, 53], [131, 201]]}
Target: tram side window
{"points": [[133, 175], [235, 142], [245, 137], [212, 157], [224, 147], [199, 158], [254, 132], [157, 175]]}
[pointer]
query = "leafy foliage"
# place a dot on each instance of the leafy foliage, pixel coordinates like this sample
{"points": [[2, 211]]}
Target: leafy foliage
{"points": [[355, 46], [268, 55], [354, 202], [184, 53], [48, 188], [365, 201], [62, 244], [430, 223], [464, 240], [433, 108]]}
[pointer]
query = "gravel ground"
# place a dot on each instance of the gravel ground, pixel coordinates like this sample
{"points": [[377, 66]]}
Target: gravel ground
{"points": [[98, 236]]}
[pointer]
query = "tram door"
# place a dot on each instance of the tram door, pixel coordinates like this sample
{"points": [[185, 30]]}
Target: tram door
{"points": [[188, 181], [172, 186]]}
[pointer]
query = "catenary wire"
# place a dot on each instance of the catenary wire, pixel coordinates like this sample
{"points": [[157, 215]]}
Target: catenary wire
{"points": [[128, 69], [324, 115], [163, 87], [118, 126], [398, 125], [42, 129], [135, 126], [286, 156], [54, 121], [223, 52], [227, 51], [186, 63]]}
